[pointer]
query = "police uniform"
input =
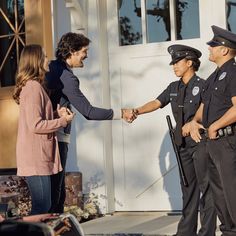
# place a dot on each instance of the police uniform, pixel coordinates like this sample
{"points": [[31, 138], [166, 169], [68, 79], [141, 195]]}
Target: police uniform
{"points": [[221, 153], [194, 166]]}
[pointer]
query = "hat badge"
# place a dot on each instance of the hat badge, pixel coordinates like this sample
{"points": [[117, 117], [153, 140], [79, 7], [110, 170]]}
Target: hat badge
{"points": [[222, 76]]}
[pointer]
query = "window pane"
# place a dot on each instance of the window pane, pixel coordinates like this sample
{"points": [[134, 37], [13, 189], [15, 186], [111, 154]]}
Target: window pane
{"points": [[130, 28], [231, 15], [158, 20], [187, 19], [11, 44]]}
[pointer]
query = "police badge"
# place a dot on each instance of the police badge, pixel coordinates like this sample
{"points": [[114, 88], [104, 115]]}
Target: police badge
{"points": [[195, 90]]}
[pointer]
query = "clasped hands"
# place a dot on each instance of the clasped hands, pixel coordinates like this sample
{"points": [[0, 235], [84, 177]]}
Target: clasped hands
{"points": [[65, 112], [129, 115]]}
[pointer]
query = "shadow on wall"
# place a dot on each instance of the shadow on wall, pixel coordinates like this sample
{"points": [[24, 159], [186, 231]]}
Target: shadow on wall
{"points": [[169, 171]]}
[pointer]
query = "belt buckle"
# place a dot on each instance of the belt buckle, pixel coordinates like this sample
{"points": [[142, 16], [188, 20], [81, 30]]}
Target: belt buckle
{"points": [[204, 132]]}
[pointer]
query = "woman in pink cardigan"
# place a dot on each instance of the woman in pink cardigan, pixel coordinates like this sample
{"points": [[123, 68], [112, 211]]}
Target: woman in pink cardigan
{"points": [[37, 152]]}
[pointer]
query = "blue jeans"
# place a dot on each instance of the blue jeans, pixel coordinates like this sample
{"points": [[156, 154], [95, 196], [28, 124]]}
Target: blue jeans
{"points": [[40, 190]]}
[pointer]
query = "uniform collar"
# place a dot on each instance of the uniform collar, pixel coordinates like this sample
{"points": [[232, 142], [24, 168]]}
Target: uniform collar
{"points": [[226, 64], [190, 83]]}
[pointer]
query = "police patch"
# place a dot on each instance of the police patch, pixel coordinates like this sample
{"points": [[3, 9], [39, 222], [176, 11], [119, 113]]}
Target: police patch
{"points": [[222, 76], [195, 90]]}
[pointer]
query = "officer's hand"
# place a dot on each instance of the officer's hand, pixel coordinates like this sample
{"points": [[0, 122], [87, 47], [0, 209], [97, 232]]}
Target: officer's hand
{"points": [[194, 131], [186, 130], [212, 132]]}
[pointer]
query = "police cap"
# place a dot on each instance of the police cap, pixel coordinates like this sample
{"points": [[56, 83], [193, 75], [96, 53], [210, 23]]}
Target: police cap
{"points": [[179, 52], [222, 37]]}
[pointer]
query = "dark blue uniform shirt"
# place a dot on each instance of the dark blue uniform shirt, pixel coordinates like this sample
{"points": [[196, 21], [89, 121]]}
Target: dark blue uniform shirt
{"points": [[192, 98], [220, 87]]}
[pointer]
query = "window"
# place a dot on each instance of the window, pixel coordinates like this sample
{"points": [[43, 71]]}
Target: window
{"points": [[158, 20], [130, 22], [12, 39], [156, 17], [231, 15], [187, 19]]}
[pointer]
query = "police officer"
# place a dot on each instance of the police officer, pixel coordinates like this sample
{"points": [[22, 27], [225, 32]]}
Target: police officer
{"points": [[184, 96], [218, 115]]}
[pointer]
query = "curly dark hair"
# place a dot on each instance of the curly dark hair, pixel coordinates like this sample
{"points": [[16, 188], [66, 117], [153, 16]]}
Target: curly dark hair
{"points": [[69, 43]]}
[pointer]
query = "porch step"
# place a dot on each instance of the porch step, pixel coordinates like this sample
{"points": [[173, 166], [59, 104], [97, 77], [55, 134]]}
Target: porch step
{"points": [[134, 224]]}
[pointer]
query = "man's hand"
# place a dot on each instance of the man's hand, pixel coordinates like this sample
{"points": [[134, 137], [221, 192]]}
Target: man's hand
{"points": [[212, 132]]}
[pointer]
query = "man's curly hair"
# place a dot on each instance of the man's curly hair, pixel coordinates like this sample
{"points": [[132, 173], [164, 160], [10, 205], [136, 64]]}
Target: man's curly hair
{"points": [[69, 43]]}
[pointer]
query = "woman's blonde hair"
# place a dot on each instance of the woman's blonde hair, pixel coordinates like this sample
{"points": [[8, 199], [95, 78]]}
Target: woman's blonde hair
{"points": [[31, 67]]}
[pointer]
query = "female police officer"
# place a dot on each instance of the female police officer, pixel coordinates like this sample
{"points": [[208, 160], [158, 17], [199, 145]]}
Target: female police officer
{"points": [[184, 96]]}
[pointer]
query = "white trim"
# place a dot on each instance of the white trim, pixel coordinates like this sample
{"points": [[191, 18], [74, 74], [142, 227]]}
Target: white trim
{"points": [[78, 16], [172, 20], [104, 74], [143, 20]]}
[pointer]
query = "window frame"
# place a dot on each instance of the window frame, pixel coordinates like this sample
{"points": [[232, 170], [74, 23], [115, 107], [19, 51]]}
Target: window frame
{"points": [[173, 24]]}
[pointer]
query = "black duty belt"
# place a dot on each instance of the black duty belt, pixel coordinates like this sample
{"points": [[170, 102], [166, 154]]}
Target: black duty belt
{"points": [[223, 132], [227, 131]]}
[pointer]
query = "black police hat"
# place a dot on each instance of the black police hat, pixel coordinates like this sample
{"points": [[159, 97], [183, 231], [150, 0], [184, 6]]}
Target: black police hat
{"points": [[222, 37], [179, 52]]}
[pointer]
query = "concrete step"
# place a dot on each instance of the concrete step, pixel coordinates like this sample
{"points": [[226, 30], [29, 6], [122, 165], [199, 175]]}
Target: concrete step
{"points": [[134, 224]]}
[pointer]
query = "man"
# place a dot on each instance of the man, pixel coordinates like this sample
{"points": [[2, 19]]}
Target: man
{"points": [[184, 96], [64, 89], [217, 113]]}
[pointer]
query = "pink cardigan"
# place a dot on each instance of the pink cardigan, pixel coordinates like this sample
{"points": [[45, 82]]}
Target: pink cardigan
{"points": [[37, 149]]}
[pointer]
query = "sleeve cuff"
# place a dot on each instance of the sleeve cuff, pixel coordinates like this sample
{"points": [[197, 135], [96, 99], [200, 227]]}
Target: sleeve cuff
{"points": [[117, 114]]}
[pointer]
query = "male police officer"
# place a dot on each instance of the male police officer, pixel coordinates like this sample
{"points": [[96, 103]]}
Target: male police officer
{"points": [[218, 115], [184, 96]]}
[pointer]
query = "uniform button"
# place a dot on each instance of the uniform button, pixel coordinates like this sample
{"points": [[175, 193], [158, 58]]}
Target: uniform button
{"points": [[198, 79], [216, 88], [190, 101]]}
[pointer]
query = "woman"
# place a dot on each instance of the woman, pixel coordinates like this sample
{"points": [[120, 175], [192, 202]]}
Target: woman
{"points": [[37, 152], [184, 96]]}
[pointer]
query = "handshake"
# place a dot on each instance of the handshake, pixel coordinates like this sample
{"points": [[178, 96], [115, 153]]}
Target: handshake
{"points": [[129, 115]]}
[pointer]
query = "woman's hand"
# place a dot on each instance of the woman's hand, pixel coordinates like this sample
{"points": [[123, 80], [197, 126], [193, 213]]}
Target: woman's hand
{"points": [[69, 115], [65, 112], [61, 111]]}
